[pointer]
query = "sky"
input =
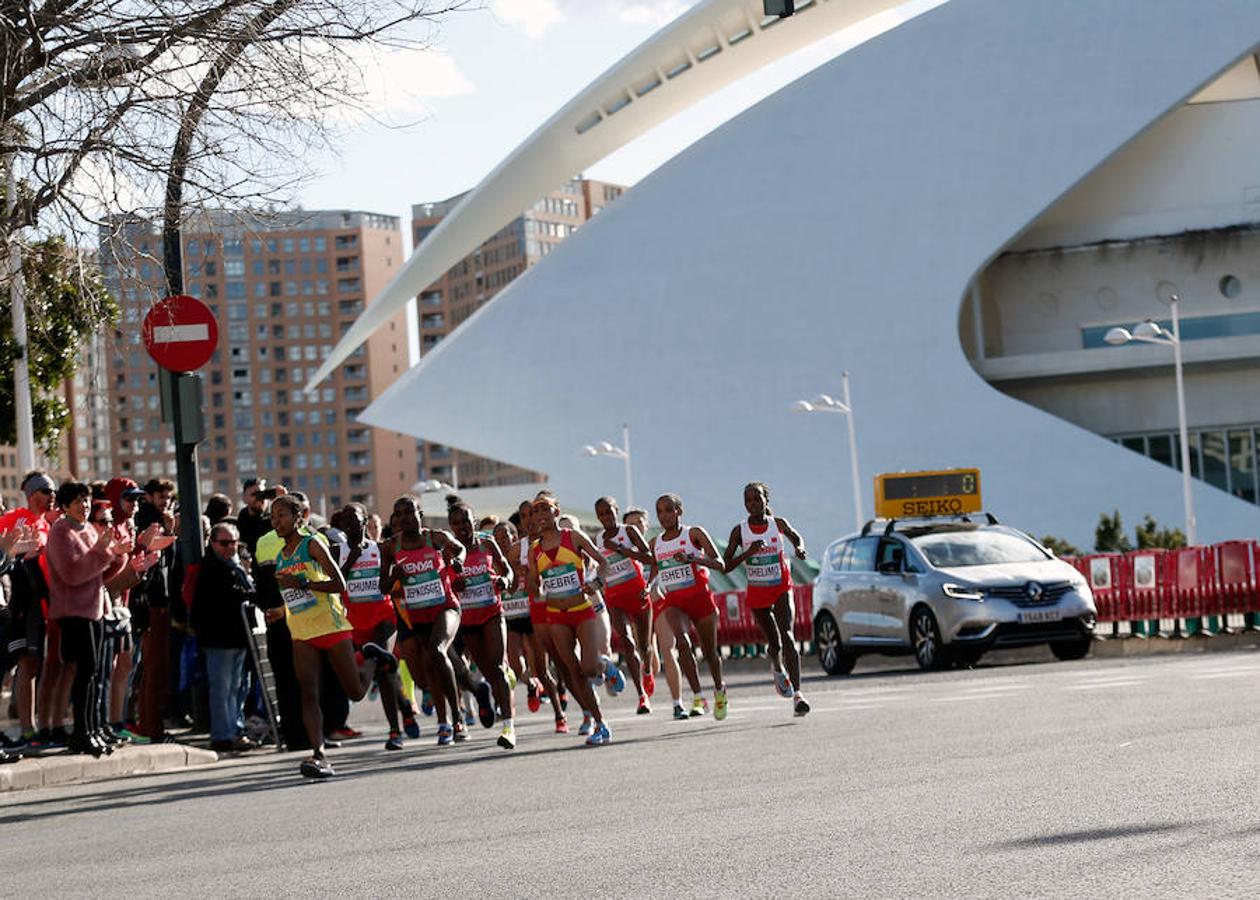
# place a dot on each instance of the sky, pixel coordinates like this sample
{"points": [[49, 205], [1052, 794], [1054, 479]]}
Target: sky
{"points": [[495, 73]]}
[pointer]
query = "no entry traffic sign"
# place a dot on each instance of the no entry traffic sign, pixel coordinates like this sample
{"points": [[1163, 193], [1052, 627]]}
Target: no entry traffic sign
{"points": [[180, 333]]}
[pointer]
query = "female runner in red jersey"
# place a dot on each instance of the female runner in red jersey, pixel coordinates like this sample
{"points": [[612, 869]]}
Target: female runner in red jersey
{"points": [[557, 573], [416, 566], [762, 538], [479, 587], [681, 556], [626, 593]]}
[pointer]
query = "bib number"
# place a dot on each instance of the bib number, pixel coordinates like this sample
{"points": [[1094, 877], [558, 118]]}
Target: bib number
{"points": [[620, 569], [423, 590], [297, 600], [478, 591], [676, 575], [561, 582], [516, 606], [764, 569]]}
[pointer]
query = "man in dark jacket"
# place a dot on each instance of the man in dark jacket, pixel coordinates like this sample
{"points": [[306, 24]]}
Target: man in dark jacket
{"points": [[222, 586]]}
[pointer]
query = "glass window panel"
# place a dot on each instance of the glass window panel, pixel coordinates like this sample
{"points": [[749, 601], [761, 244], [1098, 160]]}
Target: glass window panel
{"points": [[1215, 471], [1160, 448], [1137, 444], [1242, 466]]}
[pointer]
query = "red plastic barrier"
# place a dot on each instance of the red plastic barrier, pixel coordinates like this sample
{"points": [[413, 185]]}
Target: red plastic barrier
{"points": [[1141, 584], [1236, 576], [1184, 594], [803, 600], [732, 612], [1102, 573]]}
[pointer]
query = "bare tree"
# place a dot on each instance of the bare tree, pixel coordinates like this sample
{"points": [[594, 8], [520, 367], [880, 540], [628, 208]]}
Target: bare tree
{"points": [[95, 94]]}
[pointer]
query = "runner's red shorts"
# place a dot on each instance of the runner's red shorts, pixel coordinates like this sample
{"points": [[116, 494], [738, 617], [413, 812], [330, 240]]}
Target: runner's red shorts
{"points": [[630, 598], [366, 616], [480, 615], [571, 618], [427, 615], [538, 614], [326, 641], [765, 596], [696, 604]]}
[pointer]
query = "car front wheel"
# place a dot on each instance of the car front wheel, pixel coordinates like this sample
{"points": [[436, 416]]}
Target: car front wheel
{"points": [[925, 638], [1070, 650], [832, 655]]}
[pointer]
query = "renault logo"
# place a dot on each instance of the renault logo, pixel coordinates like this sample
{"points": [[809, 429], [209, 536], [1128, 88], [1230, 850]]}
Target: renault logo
{"points": [[1034, 591]]}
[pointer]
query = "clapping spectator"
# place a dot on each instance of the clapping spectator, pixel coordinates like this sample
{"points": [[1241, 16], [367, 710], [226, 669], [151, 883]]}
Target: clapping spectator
{"points": [[81, 559], [222, 586]]}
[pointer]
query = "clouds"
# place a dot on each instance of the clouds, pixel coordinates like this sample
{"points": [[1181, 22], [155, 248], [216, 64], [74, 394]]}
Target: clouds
{"points": [[398, 82], [536, 17]]}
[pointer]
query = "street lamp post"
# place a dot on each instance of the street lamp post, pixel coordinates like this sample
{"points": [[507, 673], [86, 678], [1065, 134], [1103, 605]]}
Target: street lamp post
{"points": [[1150, 332], [825, 403], [604, 448]]}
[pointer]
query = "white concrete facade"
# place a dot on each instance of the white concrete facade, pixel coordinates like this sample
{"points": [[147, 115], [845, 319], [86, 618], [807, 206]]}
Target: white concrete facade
{"points": [[837, 226]]}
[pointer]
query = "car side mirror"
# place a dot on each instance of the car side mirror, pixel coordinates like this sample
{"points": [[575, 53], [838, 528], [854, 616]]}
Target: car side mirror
{"points": [[889, 567]]}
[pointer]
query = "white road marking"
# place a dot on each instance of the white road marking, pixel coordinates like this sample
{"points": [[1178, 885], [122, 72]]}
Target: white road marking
{"points": [[1102, 685]]}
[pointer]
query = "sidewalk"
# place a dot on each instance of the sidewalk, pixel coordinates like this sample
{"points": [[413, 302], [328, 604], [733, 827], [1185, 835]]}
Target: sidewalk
{"points": [[51, 769]]}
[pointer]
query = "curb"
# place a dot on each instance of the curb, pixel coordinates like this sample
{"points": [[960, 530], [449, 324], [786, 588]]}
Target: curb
{"points": [[1153, 646], [62, 768]]}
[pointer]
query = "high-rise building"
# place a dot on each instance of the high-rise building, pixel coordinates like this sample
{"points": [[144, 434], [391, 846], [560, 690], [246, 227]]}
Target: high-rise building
{"points": [[284, 286], [478, 277]]}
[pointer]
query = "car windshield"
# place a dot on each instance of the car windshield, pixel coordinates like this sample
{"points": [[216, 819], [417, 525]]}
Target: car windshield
{"points": [[955, 549]]}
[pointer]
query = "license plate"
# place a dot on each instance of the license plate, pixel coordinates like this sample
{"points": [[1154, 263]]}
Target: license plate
{"points": [[1034, 616]]}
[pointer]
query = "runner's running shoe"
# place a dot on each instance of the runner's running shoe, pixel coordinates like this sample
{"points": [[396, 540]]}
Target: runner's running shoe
{"points": [[485, 705], [802, 706], [411, 726], [649, 683], [445, 734], [461, 731], [345, 734], [395, 741], [699, 707], [507, 738], [385, 661], [783, 684], [644, 709], [600, 737], [679, 712], [562, 725], [613, 679], [510, 675], [587, 724], [532, 700], [719, 705], [426, 703]]}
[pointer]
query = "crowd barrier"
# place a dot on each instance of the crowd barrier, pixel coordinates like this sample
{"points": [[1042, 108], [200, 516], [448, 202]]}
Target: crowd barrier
{"points": [[1185, 591], [738, 630]]}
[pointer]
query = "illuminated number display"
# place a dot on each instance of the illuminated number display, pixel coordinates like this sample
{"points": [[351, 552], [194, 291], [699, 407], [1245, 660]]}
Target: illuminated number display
{"points": [[912, 494]]}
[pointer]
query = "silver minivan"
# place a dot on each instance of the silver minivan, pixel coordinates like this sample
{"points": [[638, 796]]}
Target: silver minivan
{"points": [[946, 592]]}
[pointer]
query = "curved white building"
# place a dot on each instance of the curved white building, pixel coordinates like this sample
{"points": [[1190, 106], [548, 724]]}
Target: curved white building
{"points": [[840, 225]]}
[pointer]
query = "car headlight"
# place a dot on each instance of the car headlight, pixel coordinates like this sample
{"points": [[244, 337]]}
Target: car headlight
{"points": [[961, 592]]}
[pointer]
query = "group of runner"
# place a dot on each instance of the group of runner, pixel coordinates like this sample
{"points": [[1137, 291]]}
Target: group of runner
{"points": [[530, 600]]}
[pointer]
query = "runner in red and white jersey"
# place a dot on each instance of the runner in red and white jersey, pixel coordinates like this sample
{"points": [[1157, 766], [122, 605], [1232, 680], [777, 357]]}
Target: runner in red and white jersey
{"points": [[763, 538], [626, 593], [683, 554]]}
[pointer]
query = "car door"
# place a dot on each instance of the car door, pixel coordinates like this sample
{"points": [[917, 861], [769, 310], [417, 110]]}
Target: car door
{"points": [[860, 622], [896, 589]]}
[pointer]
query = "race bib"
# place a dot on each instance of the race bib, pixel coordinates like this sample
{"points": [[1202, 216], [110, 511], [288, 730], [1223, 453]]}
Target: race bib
{"points": [[424, 589], [620, 569], [561, 582], [298, 600], [516, 606], [478, 591], [764, 569], [676, 575], [364, 585]]}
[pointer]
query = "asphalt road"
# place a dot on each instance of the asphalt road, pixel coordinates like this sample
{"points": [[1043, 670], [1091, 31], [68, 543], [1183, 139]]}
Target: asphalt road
{"points": [[1112, 778]]}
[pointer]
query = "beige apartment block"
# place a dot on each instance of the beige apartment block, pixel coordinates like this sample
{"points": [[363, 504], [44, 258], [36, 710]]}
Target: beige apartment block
{"points": [[284, 287]]}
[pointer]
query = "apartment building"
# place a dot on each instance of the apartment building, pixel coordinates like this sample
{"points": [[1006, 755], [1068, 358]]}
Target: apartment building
{"points": [[284, 286]]}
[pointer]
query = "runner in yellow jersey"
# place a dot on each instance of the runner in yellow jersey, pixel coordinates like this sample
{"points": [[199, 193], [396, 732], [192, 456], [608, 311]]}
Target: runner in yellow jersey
{"points": [[310, 585]]}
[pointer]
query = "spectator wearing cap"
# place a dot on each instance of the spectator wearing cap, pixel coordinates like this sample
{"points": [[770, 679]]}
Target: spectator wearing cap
{"points": [[28, 604], [123, 495], [222, 586], [81, 559]]}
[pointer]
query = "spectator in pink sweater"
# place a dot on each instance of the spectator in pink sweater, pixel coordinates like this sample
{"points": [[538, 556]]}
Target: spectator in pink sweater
{"points": [[81, 558]]}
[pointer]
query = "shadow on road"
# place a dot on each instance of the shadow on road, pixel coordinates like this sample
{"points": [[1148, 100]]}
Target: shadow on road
{"points": [[1089, 834]]}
